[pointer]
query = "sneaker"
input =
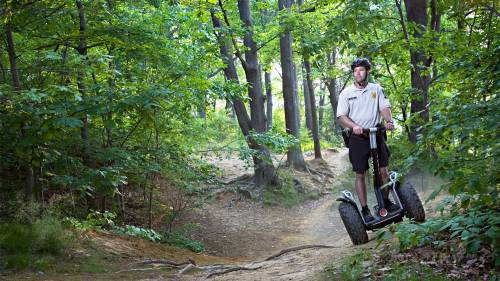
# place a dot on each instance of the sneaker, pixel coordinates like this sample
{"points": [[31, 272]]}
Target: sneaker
{"points": [[367, 215], [389, 206]]}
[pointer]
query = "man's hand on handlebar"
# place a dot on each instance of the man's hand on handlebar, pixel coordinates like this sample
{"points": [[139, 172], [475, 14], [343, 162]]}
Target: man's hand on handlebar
{"points": [[357, 130], [389, 126]]}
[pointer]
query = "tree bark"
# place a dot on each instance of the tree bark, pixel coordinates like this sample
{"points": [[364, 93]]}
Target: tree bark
{"points": [[11, 51], [294, 155], [321, 109], [269, 100], [80, 80], [333, 96], [416, 12], [252, 71], [265, 173], [3, 77], [307, 101], [314, 117]]}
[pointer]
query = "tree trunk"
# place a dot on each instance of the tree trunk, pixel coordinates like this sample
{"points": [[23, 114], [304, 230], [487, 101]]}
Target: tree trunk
{"points": [[307, 101], [269, 100], [331, 84], [314, 117], [296, 98], [321, 108], [80, 80], [252, 72], [3, 77], [294, 155], [11, 50], [265, 173], [201, 111], [229, 108], [416, 12]]}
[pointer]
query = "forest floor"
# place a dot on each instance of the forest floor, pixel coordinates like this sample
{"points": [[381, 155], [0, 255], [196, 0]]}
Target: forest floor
{"points": [[238, 233]]}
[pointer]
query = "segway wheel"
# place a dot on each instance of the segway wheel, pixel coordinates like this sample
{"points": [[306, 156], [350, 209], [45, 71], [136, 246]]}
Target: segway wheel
{"points": [[412, 203], [353, 223]]}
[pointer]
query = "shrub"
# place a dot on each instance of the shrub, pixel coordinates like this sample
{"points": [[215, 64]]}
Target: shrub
{"points": [[33, 245]]}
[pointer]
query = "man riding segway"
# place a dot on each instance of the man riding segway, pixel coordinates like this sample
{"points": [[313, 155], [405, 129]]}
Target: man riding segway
{"points": [[363, 105], [361, 109]]}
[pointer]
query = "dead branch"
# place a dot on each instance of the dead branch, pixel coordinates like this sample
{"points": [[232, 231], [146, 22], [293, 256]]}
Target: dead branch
{"points": [[163, 261], [298, 248], [237, 268]]}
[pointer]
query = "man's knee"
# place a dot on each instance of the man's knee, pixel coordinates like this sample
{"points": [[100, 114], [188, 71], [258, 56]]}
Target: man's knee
{"points": [[360, 175]]}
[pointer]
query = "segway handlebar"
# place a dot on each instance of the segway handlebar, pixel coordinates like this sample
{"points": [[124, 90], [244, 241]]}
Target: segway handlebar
{"points": [[368, 130]]}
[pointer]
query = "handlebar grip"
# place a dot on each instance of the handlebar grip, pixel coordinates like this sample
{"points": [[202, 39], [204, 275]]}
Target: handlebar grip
{"points": [[367, 130]]}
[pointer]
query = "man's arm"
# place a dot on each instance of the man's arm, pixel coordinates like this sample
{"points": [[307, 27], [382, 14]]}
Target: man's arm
{"points": [[346, 122], [386, 114]]}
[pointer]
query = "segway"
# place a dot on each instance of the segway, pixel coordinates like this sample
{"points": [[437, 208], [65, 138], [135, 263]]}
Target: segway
{"points": [[405, 197]]}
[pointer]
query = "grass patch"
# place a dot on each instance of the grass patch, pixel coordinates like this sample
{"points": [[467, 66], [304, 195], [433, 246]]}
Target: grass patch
{"points": [[34, 245], [288, 193], [367, 265], [93, 265], [179, 238]]}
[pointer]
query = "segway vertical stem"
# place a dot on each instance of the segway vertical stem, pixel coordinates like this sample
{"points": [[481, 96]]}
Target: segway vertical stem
{"points": [[376, 170]]}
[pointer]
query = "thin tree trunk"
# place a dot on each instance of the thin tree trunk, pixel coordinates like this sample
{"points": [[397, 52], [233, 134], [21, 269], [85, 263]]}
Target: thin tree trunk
{"points": [[11, 50], [230, 109], [416, 12], [331, 84], [294, 154], [150, 205], [314, 117], [82, 51], [3, 77], [201, 111], [296, 97], [307, 101], [269, 100], [321, 108]]}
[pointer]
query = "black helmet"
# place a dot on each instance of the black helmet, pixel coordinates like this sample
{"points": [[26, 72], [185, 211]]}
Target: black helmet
{"points": [[361, 62]]}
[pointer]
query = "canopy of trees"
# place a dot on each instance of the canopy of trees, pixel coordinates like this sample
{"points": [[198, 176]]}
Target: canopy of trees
{"points": [[101, 100]]}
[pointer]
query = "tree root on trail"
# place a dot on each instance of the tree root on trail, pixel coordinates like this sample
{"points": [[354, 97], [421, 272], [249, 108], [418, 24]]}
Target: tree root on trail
{"points": [[216, 269], [298, 248], [236, 268], [282, 252], [242, 178], [162, 261]]}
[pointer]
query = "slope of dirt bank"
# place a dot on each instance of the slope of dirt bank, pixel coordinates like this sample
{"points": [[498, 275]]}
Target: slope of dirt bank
{"points": [[236, 227], [238, 232]]}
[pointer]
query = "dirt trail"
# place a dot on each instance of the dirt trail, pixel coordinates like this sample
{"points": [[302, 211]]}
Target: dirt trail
{"points": [[249, 233], [237, 231]]}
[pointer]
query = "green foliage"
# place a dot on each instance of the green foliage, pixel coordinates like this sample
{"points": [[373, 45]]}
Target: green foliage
{"points": [[288, 193], [413, 272], [101, 221], [179, 238], [476, 228], [143, 233], [34, 246], [352, 267], [360, 264]]}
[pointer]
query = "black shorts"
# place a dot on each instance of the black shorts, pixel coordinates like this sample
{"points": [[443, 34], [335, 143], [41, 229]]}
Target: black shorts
{"points": [[359, 152]]}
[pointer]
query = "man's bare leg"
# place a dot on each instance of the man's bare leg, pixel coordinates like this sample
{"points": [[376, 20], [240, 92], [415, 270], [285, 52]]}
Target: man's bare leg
{"points": [[384, 175], [361, 191], [361, 188]]}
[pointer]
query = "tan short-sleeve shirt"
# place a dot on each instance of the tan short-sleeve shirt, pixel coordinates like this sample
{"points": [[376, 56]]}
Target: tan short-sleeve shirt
{"points": [[363, 106]]}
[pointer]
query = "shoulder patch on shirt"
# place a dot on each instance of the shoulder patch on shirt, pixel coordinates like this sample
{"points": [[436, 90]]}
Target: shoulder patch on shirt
{"points": [[374, 94], [383, 94]]}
